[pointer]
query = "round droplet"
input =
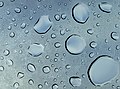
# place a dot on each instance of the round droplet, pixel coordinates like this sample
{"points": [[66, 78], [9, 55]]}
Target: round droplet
{"points": [[1, 3], [93, 44], [67, 66], [1, 68], [12, 34], [57, 17], [102, 70], [20, 75], [23, 25], [16, 85], [75, 44], [9, 62], [105, 7], [17, 10], [57, 44], [90, 31], [46, 69], [55, 86], [35, 49], [75, 81], [53, 35], [114, 36], [40, 86], [6, 52], [31, 67], [31, 82], [80, 13]]}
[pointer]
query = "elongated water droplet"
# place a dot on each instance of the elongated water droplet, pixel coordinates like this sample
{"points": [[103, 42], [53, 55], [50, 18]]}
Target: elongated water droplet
{"points": [[31, 67]]}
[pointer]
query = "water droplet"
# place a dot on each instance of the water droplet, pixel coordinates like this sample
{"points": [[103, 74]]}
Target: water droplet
{"points": [[55, 86], [105, 7], [90, 31], [1, 3], [17, 10], [67, 66], [46, 69], [57, 17], [53, 35], [40, 86], [23, 25], [9, 62], [110, 69], [80, 12], [9, 27], [56, 70], [20, 75], [35, 49], [117, 47], [6, 52], [12, 34], [1, 68], [31, 67], [114, 36], [75, 81], [62, 31], [16, 85], [57, 44], [75, 44], [93, 44], [63, 16], [91, 55], [43, 25], [31, 82]]}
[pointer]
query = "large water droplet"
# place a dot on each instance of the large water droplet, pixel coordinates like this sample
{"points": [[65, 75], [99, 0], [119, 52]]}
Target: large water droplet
{"points": [[75, 44], [75, 81], [80, 12], [43, 25], [36, 49], [105, 7], [102, 70]]}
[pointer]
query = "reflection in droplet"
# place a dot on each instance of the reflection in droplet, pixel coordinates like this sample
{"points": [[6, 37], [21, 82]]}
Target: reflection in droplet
{"points": [[75, 44], [102, 70], [80, 13]]}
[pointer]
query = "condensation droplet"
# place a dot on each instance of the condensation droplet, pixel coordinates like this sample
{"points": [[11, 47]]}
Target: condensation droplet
{"points": [[6, 52], [20, 75], [17, 10], [31, 67], [114, 36], [46, 69], [75, 81]]}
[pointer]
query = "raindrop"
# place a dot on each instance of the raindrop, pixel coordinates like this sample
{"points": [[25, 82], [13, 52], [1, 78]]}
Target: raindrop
{"points": [[17, 10], [40, 86], [90, 31], [110, 69], [75, 44], [105, 7], [20, 75], [55, 86], [16, 85], [114, 36], [93, 44], [57, 44], [9, 62], [46, 69], [35, 49], [57, 17], [12, 34], [75, 81], [31, 82], [6, 52], [1, 68], [43, 25], [23, 25], [80, 13], [1, 3], [31, 67]]}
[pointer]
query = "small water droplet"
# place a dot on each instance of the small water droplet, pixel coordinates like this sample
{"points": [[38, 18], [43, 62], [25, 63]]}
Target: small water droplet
{"points": [[12, 34], [23, 25], [16, 85], [57, 17], [9, 62], [1, 3], [31, 82], [31, 67], [1, 68], [75, 81], [17, 10], [20, 75], [46, 69], [114, 36], [40, 86], [93, 44], [57, 44], [55, 86], [90, 31], [6, 52]]}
